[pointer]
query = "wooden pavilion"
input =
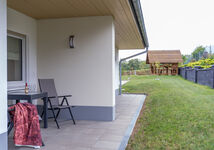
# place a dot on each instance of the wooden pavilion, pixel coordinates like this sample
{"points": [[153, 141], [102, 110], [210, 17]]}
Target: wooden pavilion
{"points": [[164, 62]]}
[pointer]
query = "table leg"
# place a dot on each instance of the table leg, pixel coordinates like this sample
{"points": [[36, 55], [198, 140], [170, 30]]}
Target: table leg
{"points": [[45, 108]]}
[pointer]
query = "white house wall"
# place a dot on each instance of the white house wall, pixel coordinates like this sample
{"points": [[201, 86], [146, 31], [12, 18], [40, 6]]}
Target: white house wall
{"points": [[22, 24], [86, 71], [117, 82], [3, 76]]}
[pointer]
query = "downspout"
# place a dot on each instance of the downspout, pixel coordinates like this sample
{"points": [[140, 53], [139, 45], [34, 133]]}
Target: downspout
{"points": [[120, 67], [138, 15]]}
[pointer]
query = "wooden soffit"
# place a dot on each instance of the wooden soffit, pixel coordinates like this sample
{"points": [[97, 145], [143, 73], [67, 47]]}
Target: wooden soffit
{"points": [[127, 33]]}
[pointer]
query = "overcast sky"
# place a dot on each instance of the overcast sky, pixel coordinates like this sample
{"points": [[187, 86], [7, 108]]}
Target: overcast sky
{"points": [[177, 24]]}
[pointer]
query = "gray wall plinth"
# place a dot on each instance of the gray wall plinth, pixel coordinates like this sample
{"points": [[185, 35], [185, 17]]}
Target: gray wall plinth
{"points": [[3, 141], [96, 113]]}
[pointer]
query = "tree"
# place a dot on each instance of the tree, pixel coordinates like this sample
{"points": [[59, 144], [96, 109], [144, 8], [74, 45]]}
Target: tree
{"points": [[184, 58], [198, 52], [134, 64], [143, 65], [211, 56], [124, 66]]}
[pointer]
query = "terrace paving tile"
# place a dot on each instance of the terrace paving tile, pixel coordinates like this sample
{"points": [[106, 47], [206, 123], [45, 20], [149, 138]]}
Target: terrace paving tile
{"points": [[92, 135]]}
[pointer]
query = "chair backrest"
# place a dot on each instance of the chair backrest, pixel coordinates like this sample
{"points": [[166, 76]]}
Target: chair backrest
{"points": [[9, 122], [48, 85]]}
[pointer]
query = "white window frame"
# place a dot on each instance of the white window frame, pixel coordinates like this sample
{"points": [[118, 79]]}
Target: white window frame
{"points": [[15, 85]]}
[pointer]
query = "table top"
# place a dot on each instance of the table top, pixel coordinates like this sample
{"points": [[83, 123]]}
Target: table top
{"points": [[17, 95]]}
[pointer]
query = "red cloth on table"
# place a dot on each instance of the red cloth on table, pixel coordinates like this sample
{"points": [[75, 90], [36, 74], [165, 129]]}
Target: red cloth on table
{"points": [[26, 124]]}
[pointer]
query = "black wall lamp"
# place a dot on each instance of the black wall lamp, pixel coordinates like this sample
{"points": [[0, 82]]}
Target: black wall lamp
{"points": [[71, 41]]}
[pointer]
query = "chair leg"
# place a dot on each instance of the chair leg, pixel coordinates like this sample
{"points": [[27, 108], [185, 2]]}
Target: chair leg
{"points": [[69, 108], [53, 113], [58, 113], [71, 115], [42, 114], [10, 127], [55, 118]]}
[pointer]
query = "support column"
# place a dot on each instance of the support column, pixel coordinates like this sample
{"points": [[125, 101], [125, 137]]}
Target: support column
{"points": [[3, 77], [151, 67]]}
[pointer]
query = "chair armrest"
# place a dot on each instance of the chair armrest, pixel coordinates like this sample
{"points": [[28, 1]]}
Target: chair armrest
{"points": [[64, 96], [64, 99]]}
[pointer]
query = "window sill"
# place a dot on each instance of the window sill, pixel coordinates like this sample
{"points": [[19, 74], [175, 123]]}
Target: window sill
{"points": [[19, 85]]}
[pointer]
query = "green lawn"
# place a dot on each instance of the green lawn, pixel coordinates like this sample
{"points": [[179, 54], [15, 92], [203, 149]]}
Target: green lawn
{"points": [[178, 114], [126, 77]]}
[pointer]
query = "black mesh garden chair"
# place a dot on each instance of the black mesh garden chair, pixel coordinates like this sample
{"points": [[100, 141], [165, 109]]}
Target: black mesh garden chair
{"points": [[10, 124], [48, 85]]}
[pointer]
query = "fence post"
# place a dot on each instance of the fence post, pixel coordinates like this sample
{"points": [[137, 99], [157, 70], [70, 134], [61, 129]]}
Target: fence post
{"points": [[180, 71], [213, 75], [183, 72], [196, 73], [185, 75]]}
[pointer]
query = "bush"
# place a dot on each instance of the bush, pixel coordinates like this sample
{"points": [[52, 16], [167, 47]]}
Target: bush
{"points": [[204, 63]]}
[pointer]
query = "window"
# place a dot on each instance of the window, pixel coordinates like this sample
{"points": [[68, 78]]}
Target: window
{"points": [[15, 58]]}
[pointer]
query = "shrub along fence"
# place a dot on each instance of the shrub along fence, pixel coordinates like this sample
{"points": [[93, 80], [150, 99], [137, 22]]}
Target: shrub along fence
{"points": [[198, 75]]}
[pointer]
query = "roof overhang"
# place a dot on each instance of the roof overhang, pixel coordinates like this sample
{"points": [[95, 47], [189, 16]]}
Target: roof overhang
{"points": [[138, 14], [128, 18], [164, 56]]}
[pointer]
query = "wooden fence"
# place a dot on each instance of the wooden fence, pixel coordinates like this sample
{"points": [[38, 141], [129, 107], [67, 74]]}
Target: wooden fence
{"points": [[137, 72]]}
